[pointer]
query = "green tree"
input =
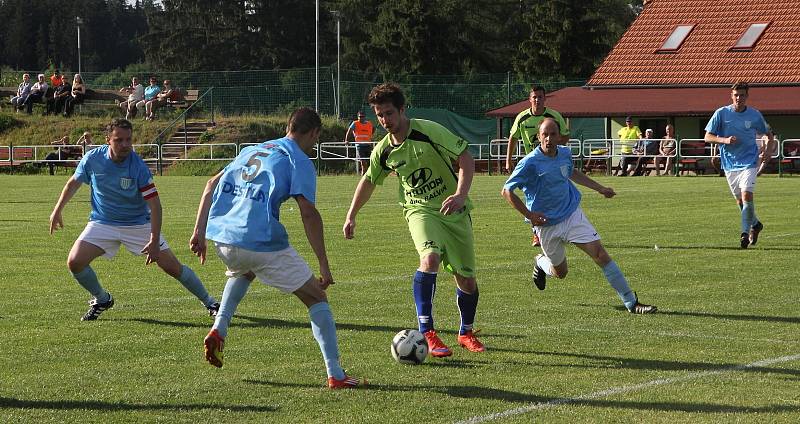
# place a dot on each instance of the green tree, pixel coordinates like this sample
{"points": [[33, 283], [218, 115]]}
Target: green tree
{"points": [[568, 39]]}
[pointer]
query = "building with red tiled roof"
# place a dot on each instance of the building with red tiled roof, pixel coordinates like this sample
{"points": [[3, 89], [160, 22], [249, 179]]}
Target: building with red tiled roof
{"points": [[677, 60]]}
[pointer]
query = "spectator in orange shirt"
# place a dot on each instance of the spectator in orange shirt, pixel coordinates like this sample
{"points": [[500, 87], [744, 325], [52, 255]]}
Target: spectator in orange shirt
{"points": [[56, 79], [362, 131]]}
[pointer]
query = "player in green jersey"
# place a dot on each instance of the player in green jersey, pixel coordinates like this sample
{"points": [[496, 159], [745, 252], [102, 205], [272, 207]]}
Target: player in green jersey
{"points": [[526, 125], [435, 170]]}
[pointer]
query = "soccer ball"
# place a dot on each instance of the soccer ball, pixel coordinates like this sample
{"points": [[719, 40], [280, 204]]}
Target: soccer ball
{"points": [[409, 347]]}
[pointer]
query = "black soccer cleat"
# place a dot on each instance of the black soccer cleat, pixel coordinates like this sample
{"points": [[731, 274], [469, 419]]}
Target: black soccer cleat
{"points": [[213, 309], [754, 231], [641, 308], [539, 276], [96, 308], [744, 240]]}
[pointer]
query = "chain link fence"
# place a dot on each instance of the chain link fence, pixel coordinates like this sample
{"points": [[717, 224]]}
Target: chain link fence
{"points": [[277, 91]]}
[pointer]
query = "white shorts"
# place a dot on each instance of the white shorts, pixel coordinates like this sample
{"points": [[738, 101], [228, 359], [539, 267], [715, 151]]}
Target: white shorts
{"points": [[575, 229], [741, 180], [285, 269], [109, 237]]}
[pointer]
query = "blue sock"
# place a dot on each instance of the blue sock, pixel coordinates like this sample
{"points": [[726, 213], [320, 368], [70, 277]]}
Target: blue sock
{"points": [[192, 283], [424, 288], [748, 216], [619, 283], [88, 280], [467, 305], [324, 329], [235, 289]]}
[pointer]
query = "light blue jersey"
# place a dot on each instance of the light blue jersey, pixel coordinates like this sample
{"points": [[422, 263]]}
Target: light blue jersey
{"points": [[744, 126], [546, 184], [119, 190], [151, 91], [245, 209]]}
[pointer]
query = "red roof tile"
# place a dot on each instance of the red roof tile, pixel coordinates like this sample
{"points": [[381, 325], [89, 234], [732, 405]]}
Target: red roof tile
{"points": [[705, 56], [695, 101]]}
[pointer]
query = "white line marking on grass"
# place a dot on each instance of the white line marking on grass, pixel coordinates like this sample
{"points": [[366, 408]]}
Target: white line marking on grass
{"points": [[624, 389]]}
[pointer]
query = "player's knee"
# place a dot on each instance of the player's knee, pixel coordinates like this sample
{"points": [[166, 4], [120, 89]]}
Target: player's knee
{"points": [[75, 266], [311, 293], [429, 263]]}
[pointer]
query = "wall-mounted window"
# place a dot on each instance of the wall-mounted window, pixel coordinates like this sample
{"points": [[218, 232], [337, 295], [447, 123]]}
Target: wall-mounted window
{"points": [[750, 37], [678, 36]]}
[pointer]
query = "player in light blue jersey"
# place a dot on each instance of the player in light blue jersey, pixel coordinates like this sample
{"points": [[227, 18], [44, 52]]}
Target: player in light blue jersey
{"points": [[552, 204], [126, 210], [735, 128], [240, 213]]}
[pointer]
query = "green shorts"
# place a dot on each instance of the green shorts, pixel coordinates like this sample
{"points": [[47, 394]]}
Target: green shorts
{"points": [[450, 238]]}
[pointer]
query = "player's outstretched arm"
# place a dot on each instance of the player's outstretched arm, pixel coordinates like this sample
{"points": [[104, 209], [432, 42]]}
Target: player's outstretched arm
{"points": [[153, 247], [466, 171], [510, 149], [579, 177], [197, 243], [360, 197], [536, 218], [312, 222], [69, 190]]}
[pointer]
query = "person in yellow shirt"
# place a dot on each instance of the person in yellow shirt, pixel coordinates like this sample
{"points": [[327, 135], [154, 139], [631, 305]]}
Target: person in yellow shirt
{"points": [[628, 136]]}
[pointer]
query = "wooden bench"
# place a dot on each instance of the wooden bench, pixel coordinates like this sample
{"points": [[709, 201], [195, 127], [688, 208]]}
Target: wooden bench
{"points": [[188, 100], [694, 164], [20, 155]]}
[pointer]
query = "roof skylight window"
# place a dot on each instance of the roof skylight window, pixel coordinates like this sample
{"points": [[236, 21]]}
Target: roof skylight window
{"points": [[750, 37], [678, 36]]}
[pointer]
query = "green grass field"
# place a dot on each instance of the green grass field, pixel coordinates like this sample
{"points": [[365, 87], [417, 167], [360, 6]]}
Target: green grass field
{"points": [[724, 346]]}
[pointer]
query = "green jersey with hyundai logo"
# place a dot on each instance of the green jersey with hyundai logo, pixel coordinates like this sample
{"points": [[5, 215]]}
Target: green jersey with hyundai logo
{"points": [[424, 162]]}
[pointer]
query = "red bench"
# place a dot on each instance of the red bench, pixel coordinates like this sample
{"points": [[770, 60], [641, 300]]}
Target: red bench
{"points": [[20, 155]]}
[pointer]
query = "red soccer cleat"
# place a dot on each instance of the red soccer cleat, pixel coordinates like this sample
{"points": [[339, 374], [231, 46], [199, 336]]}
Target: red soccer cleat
{"points": [[436, 346], [470, 342], [213, 348], [346, 383]]}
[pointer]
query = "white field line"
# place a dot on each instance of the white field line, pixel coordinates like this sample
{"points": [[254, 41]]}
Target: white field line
{"points": [[624, 389]]}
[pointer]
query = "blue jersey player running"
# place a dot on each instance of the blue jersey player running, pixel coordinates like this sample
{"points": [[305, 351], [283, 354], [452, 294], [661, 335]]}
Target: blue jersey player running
{"points": [[552, 204], [240, 213], [734, 127], [126, 211]]}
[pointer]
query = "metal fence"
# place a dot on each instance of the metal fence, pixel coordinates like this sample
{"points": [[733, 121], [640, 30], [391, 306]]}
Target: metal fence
{"points": [[590, 155]]}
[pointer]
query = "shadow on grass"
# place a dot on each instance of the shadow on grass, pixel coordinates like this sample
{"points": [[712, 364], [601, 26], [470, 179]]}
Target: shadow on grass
{"points": [[618, 362], [732, 247], [535, 401], [732, 317], [244, 321], [255, 322], [6, 402]]}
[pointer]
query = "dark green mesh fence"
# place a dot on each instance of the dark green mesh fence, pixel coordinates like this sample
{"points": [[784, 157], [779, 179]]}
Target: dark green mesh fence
{"points": [[269, 91]]}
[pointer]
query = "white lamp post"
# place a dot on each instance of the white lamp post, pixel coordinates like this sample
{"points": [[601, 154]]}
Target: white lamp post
{"points": [[338, 66], [79, 22]]}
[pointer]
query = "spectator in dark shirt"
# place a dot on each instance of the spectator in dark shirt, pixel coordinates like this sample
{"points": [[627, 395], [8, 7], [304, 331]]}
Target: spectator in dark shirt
{"points": [[56, 103]]}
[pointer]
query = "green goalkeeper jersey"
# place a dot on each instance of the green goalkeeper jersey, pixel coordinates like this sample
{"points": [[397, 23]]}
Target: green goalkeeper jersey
{"points": [[526, 126], [424, 164]]}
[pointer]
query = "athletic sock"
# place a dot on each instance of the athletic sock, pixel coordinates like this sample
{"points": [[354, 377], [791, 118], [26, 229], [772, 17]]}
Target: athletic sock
{"points": [[234, 291], [748, 216], [192, 283], [545, 264], [467, 305], [620, 284], [324, 329], [424, 288], [88, 280]]}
